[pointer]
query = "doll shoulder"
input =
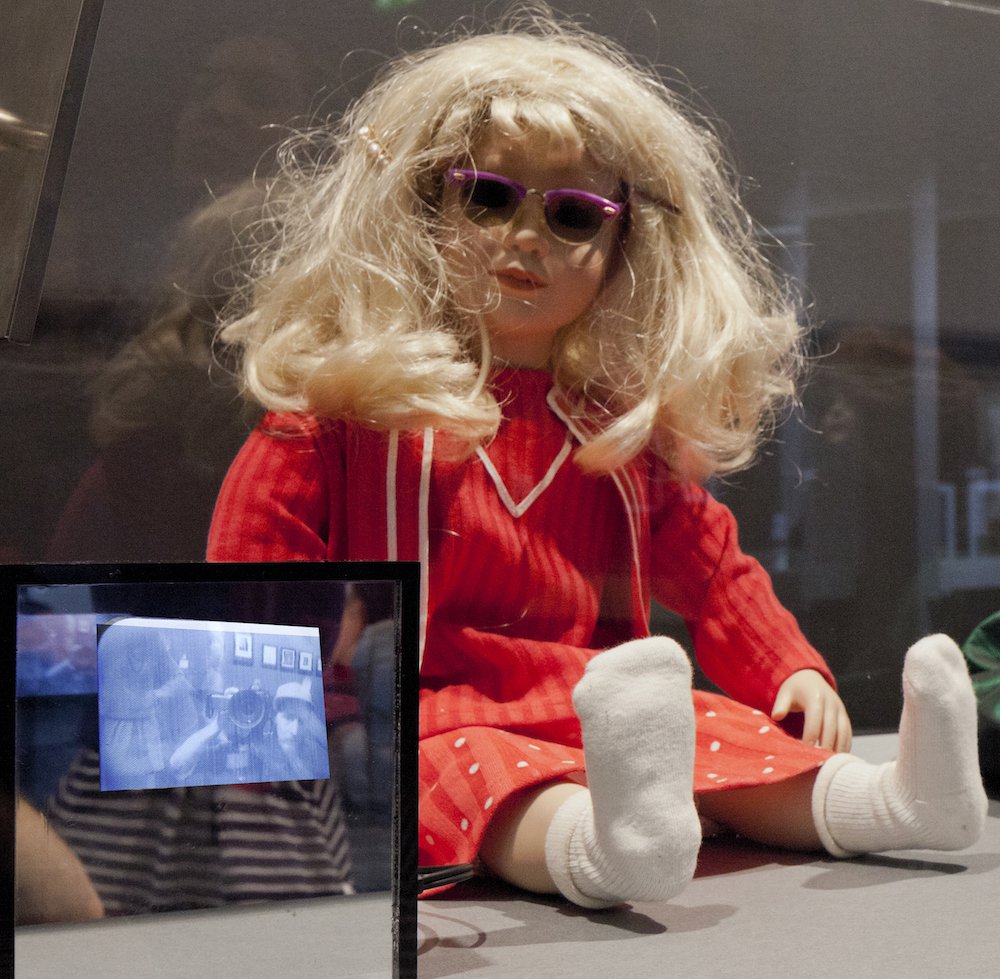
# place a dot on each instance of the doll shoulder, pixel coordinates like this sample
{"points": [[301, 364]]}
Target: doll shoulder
{"points": [[291, 433], [316, 447], [295, 425], [282, 449], [685, 507]]}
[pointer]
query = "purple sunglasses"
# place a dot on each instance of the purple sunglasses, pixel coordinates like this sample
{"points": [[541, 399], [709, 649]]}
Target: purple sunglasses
{"points": [[573, 216]]}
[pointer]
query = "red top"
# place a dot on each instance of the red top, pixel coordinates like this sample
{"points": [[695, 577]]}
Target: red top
{"points": [[531, 566]]}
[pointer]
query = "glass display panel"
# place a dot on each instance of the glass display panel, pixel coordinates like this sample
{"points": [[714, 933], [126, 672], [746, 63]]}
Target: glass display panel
{"points": [[172, 755], [45, 51], [866, 145]]}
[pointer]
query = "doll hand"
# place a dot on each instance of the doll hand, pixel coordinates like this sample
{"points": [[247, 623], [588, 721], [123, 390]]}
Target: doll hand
{"points": [[826, 721]]}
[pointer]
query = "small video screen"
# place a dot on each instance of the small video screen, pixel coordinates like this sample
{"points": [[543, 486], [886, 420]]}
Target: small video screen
{"points": [[184, 702]]}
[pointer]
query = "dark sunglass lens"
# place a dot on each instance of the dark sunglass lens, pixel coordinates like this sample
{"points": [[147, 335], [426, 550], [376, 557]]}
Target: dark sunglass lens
{"points": [[575, 218], [491, 198]]}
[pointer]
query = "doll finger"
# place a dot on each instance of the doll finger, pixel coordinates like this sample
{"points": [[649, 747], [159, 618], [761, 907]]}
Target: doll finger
{"points": [[823, 737], [812, 727], [831, 725], [839, 728], [845, 734], [827, 705], [782, 705]]}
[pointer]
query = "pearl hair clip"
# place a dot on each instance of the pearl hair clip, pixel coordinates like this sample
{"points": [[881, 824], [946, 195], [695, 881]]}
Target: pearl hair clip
{"points": [[376, 151]]}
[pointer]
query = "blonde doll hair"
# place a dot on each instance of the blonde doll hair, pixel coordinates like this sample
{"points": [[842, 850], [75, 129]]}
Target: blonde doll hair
{"points": [[690, 347]]}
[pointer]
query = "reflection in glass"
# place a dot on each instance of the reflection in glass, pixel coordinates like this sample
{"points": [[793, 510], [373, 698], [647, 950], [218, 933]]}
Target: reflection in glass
{"points": [[119, 421], [186, 763], [165, 417]]}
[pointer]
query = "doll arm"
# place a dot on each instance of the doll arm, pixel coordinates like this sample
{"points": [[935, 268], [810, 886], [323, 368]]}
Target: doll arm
{"points": [[275, 502], [825, 718], [745, 640]]}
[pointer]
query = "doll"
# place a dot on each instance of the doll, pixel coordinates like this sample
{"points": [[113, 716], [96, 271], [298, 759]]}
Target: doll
{"points": [[517, 315]]}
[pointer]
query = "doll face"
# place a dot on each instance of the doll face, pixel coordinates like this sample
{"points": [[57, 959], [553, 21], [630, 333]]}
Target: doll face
{"points": [[531, 282]]}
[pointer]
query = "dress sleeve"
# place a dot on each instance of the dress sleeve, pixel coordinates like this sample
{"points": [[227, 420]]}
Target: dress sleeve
{"points": [[746, 642], [280, 498]]}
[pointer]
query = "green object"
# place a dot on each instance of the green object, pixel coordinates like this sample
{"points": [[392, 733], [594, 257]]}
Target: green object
{"points": [[982, 650]]}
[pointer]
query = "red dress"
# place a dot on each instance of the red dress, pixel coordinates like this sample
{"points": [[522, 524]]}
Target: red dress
{"points": [[530, 567]]}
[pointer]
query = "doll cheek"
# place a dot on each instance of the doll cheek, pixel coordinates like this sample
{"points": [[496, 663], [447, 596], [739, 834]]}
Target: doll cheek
{"points": [[591, 268], [468, 252], [468, 275], [465, 262], [598, 254], [595, 264]]}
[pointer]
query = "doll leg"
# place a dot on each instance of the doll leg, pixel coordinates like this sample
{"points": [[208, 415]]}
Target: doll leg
{"points": [[777, 815], [514, 846], [931, 797], [634, 833]]}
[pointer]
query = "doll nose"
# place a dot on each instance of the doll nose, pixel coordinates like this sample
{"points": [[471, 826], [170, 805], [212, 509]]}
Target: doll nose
{"points": [[528, 230]]}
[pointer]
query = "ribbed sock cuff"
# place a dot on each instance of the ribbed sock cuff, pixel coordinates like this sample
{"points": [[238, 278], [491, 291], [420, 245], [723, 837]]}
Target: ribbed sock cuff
{"points": [[820, 794], [559, 851]]}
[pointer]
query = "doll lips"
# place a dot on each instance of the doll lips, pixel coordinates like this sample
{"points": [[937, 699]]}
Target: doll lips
{"points": [[519, 279]]}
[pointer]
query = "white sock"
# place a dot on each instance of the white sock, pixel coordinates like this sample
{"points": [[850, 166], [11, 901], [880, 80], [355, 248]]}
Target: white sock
{"points": [[635, 835], [932, 796]]}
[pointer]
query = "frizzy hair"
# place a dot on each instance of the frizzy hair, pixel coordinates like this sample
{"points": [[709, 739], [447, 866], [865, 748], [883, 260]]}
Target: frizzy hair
{"points": [[691, 346]]}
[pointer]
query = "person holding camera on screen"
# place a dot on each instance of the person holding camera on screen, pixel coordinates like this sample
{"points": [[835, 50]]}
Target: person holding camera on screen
{"points": [[250, 739]]}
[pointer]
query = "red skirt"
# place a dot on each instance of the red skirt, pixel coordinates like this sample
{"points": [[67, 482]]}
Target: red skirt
{"points": [[466, 774]]}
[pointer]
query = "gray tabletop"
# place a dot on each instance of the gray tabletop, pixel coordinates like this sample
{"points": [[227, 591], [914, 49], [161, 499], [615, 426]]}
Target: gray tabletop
{"points": [[750, 912]]}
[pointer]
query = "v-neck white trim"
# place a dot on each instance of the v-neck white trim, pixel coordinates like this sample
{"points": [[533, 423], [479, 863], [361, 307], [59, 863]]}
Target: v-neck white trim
{"points": [[628, 492], [519, 509]]}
